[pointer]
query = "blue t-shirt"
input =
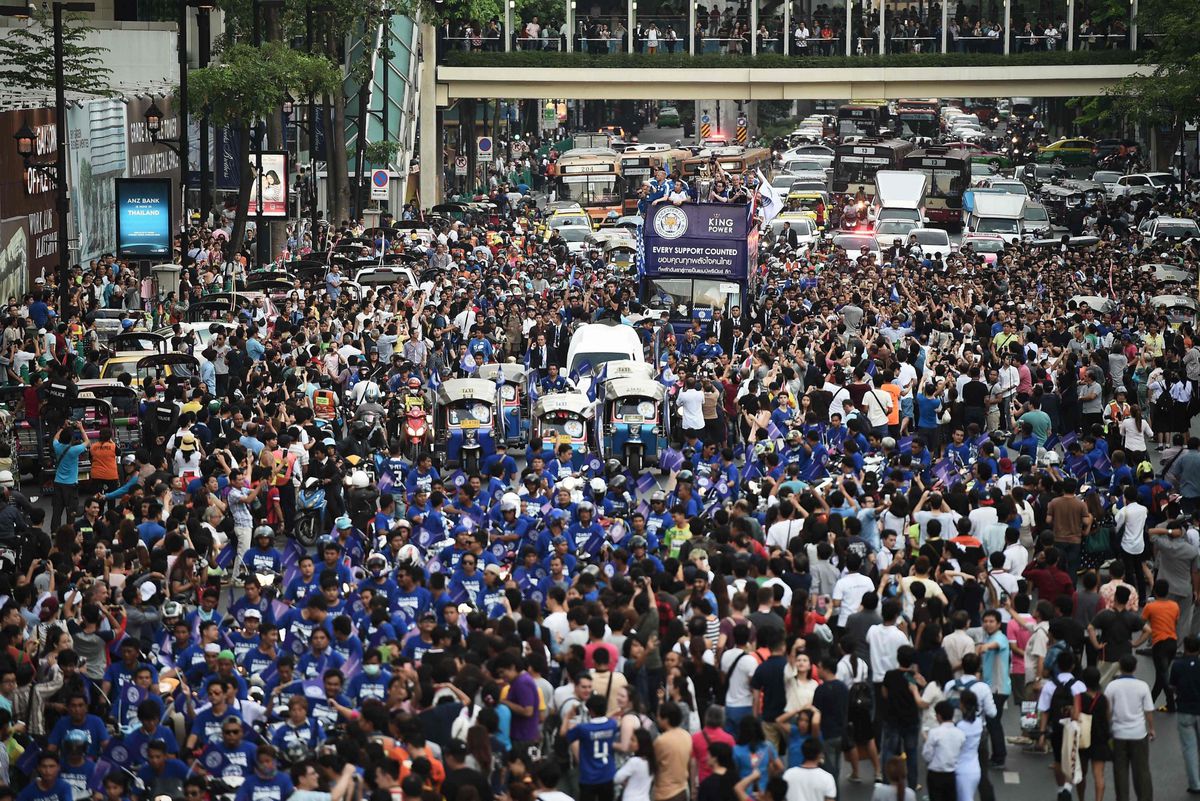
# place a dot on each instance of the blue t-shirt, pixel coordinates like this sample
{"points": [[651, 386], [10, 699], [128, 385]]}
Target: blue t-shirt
{"points": [[92, 727], [927, 409], [277, 788], [67, 457], [59, 791], [597, 762]]}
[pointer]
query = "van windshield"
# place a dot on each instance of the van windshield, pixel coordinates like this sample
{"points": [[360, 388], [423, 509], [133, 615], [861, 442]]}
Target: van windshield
{"points": [[997, 225], [595, 359]]}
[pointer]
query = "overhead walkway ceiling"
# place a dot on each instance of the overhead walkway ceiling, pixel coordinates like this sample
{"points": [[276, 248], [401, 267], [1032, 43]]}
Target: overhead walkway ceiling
{"points": [[651, 83]]}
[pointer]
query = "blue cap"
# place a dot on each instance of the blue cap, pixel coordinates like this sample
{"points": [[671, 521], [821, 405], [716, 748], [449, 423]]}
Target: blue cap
{"points": [[559, 540], [343, 522], [458, 529]]}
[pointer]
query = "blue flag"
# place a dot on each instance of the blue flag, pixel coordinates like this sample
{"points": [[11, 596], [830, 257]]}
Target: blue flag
{"points": [[646, 483]]}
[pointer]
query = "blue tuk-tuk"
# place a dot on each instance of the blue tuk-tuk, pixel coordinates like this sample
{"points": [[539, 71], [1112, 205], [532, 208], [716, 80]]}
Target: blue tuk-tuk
{"points": [[466, 422], [627, 368], [633, 427], [563, 419], [510, 381]]}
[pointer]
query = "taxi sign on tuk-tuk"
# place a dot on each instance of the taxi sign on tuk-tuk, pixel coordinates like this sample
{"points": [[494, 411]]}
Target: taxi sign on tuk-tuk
{"points": [[1178, 309], [627, 368], [139, 340], [168, 366]]}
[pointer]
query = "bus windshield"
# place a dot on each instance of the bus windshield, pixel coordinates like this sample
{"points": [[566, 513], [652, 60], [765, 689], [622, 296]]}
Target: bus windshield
{"points": [[858, 169], [589, 189], [681, 295]]}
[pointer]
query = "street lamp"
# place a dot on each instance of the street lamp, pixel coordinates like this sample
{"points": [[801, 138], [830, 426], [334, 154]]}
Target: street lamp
{"points": [[25, 139]]}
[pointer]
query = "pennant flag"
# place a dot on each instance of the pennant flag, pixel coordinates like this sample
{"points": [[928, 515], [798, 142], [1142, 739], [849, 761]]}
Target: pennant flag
{"points": [[671, 460], [1078, 465], [945, 471], [435, 379], [646, 483], [1066, 439], [225, 557], [643, 508], [770, 199], [314, 689], [904, 445], [1052, 441], [982, 438], [773, 431], [351, 668]]}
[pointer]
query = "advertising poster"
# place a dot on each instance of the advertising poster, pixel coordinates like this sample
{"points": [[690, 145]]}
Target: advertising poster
{"points": [[28, 223], [269, 191], [144, 218], [699, 239], [96, 157]]}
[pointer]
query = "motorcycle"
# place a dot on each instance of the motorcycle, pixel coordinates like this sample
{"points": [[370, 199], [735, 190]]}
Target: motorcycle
{"points": [[310, 512]]}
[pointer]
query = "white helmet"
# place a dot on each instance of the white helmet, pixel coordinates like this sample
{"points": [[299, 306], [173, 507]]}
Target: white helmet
{"points": [[409, 554], [598, 486], [376, 556], [1051, 457], [359, 480], [888, 443], [510, 502]]}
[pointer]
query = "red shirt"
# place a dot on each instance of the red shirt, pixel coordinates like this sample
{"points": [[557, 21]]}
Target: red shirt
{"points": [[701, 740], [1051, 582]]}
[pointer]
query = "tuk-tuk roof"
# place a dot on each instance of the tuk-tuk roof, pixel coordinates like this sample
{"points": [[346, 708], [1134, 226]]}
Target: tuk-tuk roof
{"points": [[457, 389], [165, 359], [627, 368], [625, 387], [1060, 191], [105, 387], [1164, 273], [1166, 301], [575, 402], [513, 373], [136, 338], [1094, 302]]}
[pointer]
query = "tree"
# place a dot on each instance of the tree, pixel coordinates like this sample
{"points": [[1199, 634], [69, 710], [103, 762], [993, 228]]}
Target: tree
{"points": [[250, 85], [27, 56], [1166, 92]]}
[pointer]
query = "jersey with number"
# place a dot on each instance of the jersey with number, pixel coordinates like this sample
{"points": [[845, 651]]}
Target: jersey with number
{"points": [[597, 762]]}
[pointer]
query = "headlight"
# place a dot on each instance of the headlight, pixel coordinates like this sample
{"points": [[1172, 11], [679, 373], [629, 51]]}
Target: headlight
{"points": [[635, 429], [472, 436]]}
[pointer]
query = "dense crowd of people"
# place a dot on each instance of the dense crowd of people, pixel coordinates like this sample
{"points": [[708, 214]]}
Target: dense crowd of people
{"points": [[907, 494]]}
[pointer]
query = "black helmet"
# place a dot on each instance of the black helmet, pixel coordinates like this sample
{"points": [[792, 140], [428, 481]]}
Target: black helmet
{"points": [[613, 467], [359, 427], [617, 483], [1024, 463], [685, 476]]}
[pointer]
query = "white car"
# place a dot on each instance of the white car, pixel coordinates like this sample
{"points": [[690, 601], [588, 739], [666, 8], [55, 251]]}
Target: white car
{"points": [[806, 231], [888, 231], [853, 244], [990, 246], [968, 134], [1141, 183], [818, 153], [1172, 228], [933, 240], [576, 237]]}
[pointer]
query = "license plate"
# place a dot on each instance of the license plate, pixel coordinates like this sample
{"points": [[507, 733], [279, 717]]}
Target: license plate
{"points": [[413, 402], [563, 439], [633, 418], [470, 424]]}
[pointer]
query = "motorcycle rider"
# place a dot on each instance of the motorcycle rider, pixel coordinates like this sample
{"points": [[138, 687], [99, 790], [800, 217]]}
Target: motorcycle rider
{"points": [[554, 382]]}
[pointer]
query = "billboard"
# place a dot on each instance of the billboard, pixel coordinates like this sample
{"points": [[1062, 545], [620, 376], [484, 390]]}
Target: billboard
{"points": [[269, 189], [28, 222], [96, 156], [699, 240], [144, 218]]}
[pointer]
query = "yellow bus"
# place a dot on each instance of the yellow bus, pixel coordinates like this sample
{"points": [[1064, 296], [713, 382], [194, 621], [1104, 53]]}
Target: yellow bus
{"points": [[591, 176], [638, 164]]}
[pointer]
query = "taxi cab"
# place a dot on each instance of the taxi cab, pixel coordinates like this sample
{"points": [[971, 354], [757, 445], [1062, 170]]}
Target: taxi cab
{"points": [[1067, 152]]}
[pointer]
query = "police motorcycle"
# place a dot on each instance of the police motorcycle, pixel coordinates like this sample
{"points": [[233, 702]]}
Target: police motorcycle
{"points": [[510, 379], [465, 422], [410, 419]]}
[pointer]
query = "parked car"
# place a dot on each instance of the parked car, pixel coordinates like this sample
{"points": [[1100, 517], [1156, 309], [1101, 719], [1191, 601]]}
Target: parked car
{"points": [[1067, 152]]}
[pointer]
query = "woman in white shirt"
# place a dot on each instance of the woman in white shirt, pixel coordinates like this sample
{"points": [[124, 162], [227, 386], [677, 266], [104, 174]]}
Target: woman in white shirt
{"points": [[634, 775], [1134, 432], [1130, 524]]}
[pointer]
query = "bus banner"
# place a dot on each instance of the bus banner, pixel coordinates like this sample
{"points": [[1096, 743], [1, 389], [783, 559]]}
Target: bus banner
{"points": [[698, 239]]}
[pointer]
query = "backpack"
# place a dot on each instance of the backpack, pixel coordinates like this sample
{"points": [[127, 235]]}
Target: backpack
{"points": [[861, 697], [1062, 700], [955, 693], [554, 747], [723, 685]]}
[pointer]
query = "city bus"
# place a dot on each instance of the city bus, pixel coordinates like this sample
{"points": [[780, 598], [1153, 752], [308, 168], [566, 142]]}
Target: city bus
{"points": [[949, 171], [638, 164], [591, 176], [918, 117], [734, 160], [863, 118], [855, 164]]}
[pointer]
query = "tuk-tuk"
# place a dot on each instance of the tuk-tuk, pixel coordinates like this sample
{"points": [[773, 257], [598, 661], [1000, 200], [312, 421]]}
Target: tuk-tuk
{"points": [[1170, 280], [634, 428], [563, 419], [123, 403], [465, 422], [139, 340], [628, 368], [204, 311], [1059, 201], [514, 413], [20, 434], [621, 255], [1096, 303], [94, 413], [1178, 309], [165, 368], [108, 321]]}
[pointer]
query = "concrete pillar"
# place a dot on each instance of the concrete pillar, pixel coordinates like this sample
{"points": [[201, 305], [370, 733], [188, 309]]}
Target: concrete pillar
{"points": [[631, 19], [754, 27], [1133, 32], [570, 18], [1070, 25], [849, 27], [508, 25], [946, 24], [1008, 34], [786, 33], [431, 132], [882, 27], [691, 47]]}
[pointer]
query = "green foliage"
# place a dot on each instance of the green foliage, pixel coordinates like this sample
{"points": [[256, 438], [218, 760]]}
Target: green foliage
{"points": [[1170, 94], [381, 154], [27, 56], [770, 61], [250, 83]]}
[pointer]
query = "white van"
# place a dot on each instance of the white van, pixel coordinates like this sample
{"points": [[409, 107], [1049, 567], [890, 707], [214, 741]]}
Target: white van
{"points": [[900, 195], [607, 341], [1000, 214]]}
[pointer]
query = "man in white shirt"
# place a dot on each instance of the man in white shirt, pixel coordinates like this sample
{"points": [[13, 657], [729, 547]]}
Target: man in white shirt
{"points": [[941, 750], [884, 639], [691, 408], [850, 588], [737, 666], [810, 782], [789, 525], [1132, 730]]}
